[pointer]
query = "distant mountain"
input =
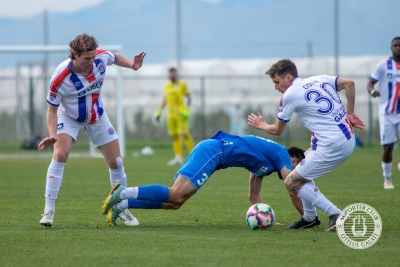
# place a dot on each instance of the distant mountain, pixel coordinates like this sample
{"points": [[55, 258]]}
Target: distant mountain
{"points": [[228, 29]]}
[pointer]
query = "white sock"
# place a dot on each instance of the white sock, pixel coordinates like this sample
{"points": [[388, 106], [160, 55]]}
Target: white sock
{"points": [[310, 212], [387, 170], [123, 204], [53, 184], [311, 194], [118, 175], [130, 192]]}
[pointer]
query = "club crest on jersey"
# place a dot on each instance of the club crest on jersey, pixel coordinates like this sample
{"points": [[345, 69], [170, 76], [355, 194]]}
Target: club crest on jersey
{"points": [[60, 126], [77, 84], [101, 68], [53, 96], [111, 131]]}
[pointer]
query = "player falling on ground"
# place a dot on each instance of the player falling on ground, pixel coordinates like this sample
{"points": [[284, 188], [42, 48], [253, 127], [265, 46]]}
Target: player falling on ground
{"points": [[387, 73], [316, 102], [75, 103], [258, 155], [175, 91]]}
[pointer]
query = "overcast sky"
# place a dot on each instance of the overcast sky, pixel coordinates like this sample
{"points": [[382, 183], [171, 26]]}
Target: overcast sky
{"points": [[27, 8]]}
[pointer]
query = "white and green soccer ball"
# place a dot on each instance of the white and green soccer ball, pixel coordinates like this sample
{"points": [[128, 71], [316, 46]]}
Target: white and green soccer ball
{"points": [[147, 151], [260, 216]]}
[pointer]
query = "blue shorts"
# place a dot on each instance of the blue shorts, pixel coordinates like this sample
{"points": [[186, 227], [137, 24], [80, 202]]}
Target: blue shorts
{"points": [[205, 159]]}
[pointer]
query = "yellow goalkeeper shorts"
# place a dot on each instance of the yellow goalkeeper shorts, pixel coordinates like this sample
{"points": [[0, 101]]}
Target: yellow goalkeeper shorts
{"points": [[177, 126]]}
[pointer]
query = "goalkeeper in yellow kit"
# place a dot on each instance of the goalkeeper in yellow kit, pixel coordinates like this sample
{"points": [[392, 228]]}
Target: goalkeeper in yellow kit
{"points": [[178, 114]]}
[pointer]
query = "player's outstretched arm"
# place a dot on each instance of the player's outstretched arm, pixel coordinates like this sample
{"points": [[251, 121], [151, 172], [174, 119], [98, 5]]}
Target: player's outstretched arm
{"points": [[51, 119], [137, 62], [349, 86], [258, 122], [255, 184]]}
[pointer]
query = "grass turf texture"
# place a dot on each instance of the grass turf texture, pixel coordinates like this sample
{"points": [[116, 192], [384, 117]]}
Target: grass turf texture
{"points": [[209, 230]]}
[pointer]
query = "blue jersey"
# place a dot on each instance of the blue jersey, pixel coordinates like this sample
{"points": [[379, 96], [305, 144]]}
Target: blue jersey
{"points": [[259, 155]]}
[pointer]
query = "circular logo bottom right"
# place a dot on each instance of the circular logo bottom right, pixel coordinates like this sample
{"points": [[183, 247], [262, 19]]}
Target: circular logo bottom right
{"points": [[359, 226]]}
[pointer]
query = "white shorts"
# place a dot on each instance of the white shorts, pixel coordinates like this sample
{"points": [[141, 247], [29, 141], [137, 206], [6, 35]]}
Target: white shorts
{"points": [[323, 160], [100, 133], [389, 126]]}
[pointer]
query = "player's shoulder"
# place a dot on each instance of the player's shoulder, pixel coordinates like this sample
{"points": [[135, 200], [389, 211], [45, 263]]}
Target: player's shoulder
{"points": [[62, 70], [386, 63]]}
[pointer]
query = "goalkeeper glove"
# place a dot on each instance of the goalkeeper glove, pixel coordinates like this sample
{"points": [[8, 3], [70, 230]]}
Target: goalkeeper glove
{"points": [[157, 115], [185, 113]]}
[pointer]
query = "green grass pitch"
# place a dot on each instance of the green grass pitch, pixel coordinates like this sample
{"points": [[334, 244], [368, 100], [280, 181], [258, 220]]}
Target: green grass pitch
{"points": [[209, 230]]}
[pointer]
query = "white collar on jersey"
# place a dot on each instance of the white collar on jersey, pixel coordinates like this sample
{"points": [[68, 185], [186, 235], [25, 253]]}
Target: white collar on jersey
{"points": [[296, 80]]}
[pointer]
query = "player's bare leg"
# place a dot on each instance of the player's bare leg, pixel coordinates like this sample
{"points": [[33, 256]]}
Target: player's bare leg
{"points": [[312, 198], [54, 177], [112, 155], [387, 159]]}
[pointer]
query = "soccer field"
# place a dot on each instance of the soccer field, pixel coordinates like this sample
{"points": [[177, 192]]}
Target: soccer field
{"points": [[209, 230]]}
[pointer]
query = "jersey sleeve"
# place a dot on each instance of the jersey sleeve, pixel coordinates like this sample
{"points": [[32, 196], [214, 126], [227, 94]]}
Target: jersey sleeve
{"points": [[286, 108], [333, 80], [54, 94], [185, 90], [377, 74], [107, 56], [282, 159]]}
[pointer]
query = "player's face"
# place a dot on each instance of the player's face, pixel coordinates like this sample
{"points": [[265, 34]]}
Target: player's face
{"points": [[172, 75], [85, 60], [396, 48], [282, 84]]}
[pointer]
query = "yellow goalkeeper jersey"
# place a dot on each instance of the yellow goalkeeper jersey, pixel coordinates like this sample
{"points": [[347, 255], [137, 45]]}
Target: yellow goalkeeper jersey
{"points": [[174, 94]]}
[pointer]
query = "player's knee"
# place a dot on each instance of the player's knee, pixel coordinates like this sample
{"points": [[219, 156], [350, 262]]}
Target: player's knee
{"points": [[294, 183], [115, 163], [60, 156]]}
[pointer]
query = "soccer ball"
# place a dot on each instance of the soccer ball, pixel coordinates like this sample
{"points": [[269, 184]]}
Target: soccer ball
{"points": [[147, 151], [260, 216]]}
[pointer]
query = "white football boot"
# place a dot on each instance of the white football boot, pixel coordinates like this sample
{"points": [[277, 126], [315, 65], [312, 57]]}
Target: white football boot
{"points": [[176, 161], [47, 219], [388, 184], [128, 218]]}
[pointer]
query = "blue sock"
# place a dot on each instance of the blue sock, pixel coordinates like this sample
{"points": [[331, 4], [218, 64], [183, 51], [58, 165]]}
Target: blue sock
{"points": [[155, 193], [140, 204]]}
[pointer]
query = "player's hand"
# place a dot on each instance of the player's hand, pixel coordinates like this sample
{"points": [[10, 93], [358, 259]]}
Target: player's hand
{"points": [[157, 115], [256, 120], [138, 60], [48, 141], [255, 198], [375, 94], [356, 121]]}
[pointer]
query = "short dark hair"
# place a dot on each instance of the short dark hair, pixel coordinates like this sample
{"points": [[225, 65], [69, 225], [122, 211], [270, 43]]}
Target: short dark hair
{"points": [[395, 38], [82, 43], [172, 69], [294, 152], [282, 68]]}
